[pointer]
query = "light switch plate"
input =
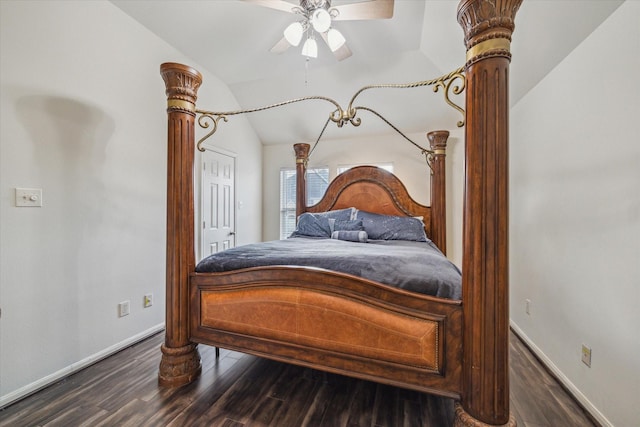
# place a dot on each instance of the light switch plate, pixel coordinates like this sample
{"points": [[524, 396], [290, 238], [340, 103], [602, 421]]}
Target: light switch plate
{"points": [[124, 308], [29, 197]]}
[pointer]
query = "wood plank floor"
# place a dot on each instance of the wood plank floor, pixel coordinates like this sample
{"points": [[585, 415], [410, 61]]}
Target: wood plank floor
{"points": [[240, 390]]}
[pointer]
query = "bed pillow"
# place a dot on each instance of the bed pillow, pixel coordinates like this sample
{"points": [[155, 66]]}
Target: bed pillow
{"points": [[317, 224], [311, 225], [345, 214], [350, 235], [345, 225], [389, 227]]}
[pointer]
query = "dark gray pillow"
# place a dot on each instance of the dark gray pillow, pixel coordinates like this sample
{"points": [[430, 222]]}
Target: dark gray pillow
{"points": [[389, 227], [340, 214], [310, 225], [317, 224], [345, 225], [350, 235]]}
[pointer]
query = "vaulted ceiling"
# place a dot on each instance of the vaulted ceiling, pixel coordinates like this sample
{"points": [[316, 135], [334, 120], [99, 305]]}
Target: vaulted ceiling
{"points": [[232, 38]]}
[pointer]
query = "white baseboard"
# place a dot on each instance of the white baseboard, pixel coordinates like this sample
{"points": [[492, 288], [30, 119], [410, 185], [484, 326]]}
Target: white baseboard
{"points": [[35, 386], [75, 367], [557, 373]]}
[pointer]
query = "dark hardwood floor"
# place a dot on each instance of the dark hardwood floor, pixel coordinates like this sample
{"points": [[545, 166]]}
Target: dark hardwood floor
{"points": [[241, 390]]}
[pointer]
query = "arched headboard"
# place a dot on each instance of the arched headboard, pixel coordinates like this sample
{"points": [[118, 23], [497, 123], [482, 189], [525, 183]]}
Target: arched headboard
{"points": [[373, 189]]}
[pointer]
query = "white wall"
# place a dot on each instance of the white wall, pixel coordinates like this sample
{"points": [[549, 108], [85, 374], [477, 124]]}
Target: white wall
{"points": [[575, 218], [409, 165], [82, 117]]}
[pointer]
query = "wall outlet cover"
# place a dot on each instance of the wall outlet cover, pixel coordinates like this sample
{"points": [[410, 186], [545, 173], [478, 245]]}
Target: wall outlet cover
{"points": [[586, 355], [148, 300]]}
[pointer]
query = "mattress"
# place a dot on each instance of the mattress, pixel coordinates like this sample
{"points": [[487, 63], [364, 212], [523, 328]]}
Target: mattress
{"points": [[413, 266]]}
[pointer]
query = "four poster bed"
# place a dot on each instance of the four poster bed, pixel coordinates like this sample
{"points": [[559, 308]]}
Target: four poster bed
{"points": [[448, 336]]}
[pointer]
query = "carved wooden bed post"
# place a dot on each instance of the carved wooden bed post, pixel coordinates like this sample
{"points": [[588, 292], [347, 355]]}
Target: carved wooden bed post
{"points": [[438, 143], [488, 26], [302, 155], [180, 359]]}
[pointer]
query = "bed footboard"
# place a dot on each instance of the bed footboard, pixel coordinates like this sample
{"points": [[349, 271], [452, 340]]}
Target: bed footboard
{"points": [[333, 322]]}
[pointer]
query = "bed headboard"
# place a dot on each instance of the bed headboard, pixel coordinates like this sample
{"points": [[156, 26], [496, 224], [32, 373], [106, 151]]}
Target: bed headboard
{"points": [[376, 190]]}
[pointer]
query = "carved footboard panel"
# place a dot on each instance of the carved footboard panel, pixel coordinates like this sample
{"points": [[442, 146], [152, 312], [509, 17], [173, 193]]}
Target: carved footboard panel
{"points": [[333, 322]]}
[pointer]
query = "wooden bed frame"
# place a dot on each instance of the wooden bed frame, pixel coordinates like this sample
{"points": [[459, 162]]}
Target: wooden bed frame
{"points": [[348, 325]]}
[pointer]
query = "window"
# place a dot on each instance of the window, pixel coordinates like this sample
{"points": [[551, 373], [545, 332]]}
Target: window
{"points": [[386, 166], [317, 183]]}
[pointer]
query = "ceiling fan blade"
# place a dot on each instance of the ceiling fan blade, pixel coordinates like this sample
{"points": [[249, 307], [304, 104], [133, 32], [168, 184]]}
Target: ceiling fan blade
{"points": [[280, 46], [343, 52], [373, 9], [282, 5]]}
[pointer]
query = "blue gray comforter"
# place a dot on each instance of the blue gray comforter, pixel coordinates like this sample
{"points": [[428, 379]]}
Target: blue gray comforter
{"points": [[412, 266]]}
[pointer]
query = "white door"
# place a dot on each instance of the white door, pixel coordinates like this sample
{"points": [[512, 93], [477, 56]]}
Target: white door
{"points": [[218, 202]]}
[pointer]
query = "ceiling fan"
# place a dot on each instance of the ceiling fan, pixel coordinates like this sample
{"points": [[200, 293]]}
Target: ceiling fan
{"points": [[317, 17]]}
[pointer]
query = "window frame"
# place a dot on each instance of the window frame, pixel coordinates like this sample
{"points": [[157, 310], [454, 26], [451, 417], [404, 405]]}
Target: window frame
{"points": [[287, 202]]}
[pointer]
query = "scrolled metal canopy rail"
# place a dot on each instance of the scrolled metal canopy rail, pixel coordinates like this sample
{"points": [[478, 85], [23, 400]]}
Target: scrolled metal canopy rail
{"points": [[342, 116]]}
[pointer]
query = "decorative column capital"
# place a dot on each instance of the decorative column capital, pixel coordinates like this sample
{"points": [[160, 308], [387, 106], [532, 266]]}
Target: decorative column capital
{"points": [[438, 141], [302, 152], [182, 83], [487, 25]]}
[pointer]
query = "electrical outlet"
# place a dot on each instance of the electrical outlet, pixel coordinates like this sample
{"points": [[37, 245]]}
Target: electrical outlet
{"points": [[148, 300], [586, 355], [124, 308], [527, 306]]}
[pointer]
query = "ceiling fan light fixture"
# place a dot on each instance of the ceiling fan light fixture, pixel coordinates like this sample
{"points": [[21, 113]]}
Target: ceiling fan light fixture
{"points": [[310, 48], [335, 39], [320, 20], [293, 33]]}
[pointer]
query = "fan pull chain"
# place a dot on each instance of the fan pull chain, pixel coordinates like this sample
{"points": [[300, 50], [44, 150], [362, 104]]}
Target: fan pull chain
{"points": [[306, 72]]}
